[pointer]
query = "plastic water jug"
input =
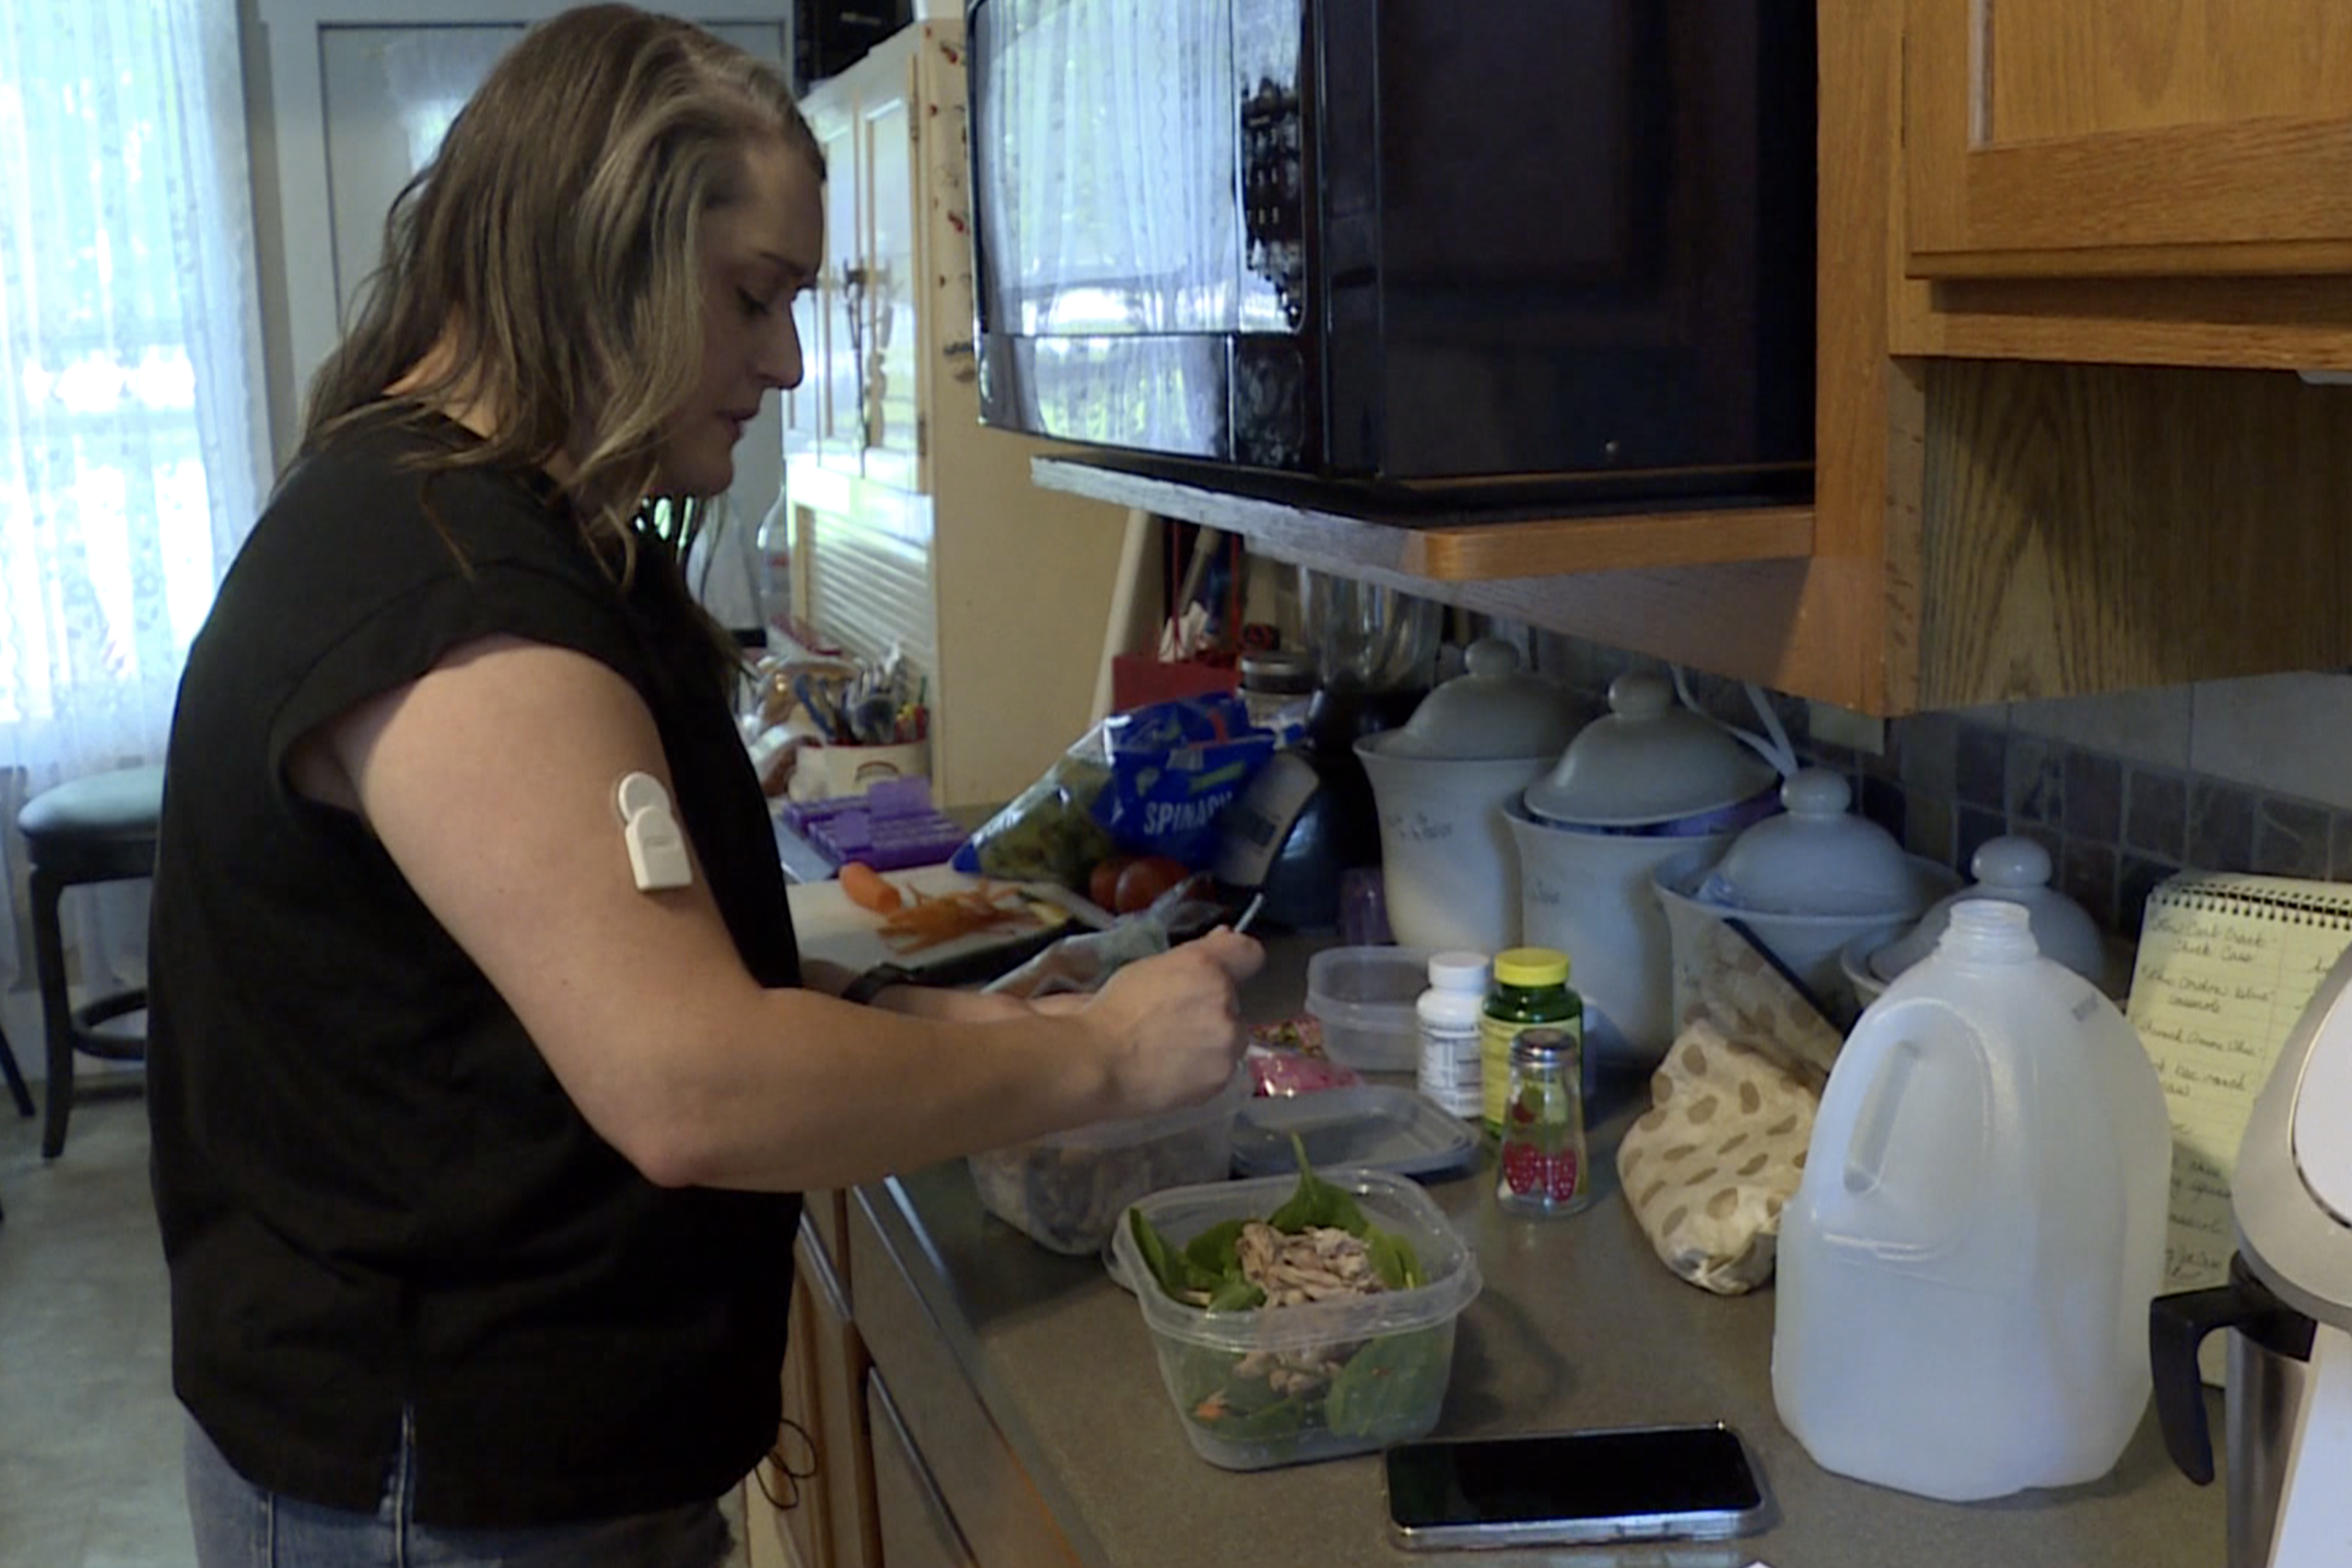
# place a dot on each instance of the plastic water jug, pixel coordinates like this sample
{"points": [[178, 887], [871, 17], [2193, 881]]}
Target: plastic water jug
{"points": [[1964, 1273]]}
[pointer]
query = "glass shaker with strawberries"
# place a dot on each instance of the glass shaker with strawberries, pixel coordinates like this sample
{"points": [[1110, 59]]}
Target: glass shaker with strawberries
{"points": [[1542, 1168]]}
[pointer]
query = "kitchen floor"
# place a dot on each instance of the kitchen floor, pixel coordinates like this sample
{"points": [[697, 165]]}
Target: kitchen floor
{"points": [[90, 1434]]}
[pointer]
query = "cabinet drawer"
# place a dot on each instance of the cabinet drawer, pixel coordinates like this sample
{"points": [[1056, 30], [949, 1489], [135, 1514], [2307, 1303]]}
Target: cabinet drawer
{"points": [[821, 1498], [987, 1490], [917, 1531]]}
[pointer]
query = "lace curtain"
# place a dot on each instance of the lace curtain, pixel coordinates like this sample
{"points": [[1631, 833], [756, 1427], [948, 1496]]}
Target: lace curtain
{"points": [[1108, 205], [133, 440]]}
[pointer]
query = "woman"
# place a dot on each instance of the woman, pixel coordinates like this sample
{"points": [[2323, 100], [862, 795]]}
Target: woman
{"points": [[474, 1150]]}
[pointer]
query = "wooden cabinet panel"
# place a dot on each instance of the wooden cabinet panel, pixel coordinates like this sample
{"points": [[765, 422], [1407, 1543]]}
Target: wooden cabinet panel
{"points": [[2129, 137], [816, 1491]]}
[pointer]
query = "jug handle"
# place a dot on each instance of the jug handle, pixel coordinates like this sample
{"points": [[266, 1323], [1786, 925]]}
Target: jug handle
{"points": [[1773, 745], [2177, 1326], [1865, 1159]]}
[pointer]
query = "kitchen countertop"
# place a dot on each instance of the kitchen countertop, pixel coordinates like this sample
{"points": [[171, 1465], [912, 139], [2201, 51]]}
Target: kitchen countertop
{"points": [[1579, 1325]]}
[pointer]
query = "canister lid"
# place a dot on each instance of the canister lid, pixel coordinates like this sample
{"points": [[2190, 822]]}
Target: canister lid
{"points": [[1649, 760], [1531, 966], [1818, 857], [1496, 709]]}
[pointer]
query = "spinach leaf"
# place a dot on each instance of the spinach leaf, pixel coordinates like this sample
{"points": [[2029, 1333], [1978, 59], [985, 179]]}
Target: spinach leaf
{"points": [[1172, 1268], [1317, 1202], [1392, 1258], [1284, 1418], [1217, 1251], [1388, 1388], [1236, 1294]]}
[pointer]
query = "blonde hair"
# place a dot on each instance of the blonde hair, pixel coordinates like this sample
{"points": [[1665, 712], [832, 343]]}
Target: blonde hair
{"points": [[554, 238]]}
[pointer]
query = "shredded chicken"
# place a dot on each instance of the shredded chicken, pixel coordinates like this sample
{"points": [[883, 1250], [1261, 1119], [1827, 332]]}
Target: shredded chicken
{"points": [[1316, 1265], [1319, 1264]]}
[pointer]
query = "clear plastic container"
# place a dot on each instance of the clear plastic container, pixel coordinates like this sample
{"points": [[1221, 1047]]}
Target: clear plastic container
{"points": [[1364, 996], [1066, 1192], [1399, 1343], [1965, 1272]]}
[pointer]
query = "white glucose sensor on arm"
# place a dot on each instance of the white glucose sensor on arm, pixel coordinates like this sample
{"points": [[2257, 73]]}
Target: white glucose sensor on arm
{"points": [[657, 857]]}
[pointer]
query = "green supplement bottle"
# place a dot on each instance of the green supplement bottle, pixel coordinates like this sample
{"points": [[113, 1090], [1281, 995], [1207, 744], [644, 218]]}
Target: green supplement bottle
{"points": [[1530, 991]]}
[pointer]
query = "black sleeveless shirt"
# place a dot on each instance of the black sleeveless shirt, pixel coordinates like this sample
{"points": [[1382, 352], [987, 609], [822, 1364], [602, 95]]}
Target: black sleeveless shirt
{"points": [[375, 1197]]}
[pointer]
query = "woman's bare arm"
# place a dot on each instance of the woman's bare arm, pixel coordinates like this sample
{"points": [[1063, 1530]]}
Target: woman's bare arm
{"points": [[490, 783]]}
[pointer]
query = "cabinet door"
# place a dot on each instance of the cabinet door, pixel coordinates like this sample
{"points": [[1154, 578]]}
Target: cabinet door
{"points": [[2122, 137], [788, 1499], [887, 133], [840, 292], [917, 1531]]}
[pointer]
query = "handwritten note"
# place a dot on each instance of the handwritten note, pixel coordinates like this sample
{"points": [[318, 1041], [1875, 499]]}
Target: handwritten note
{"points": [[2226, 965]]}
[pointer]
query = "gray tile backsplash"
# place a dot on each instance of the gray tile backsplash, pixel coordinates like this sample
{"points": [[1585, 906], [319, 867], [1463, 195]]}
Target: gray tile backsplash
{"points": [[2238, 776]]}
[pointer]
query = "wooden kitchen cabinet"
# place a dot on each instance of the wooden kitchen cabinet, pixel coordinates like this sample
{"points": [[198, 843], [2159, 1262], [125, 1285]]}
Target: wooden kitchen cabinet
{"points": [[2154, 182], [2129, 137], [910, 523], [2026, 486], [815, 1498]]}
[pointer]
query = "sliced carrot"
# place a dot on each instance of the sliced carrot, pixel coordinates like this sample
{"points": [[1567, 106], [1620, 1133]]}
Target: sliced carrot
{"points": [[935, 918], [868, 890]]}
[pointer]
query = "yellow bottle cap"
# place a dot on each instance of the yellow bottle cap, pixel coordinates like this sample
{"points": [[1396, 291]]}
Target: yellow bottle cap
{"points": [[1531, 966]]}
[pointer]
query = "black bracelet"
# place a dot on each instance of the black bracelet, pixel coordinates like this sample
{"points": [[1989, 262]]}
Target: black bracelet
{"points": [[875, 981]]}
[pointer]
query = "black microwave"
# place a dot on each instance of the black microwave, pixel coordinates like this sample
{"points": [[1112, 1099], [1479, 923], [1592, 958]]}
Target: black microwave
{"points": [[1422, 243]]}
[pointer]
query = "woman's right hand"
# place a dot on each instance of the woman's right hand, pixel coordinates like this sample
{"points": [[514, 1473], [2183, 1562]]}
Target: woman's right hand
{"points": [[1172, 1022]]}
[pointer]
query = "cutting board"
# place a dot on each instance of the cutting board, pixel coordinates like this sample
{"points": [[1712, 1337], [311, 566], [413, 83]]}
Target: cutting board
{"points": [[830, 927]]}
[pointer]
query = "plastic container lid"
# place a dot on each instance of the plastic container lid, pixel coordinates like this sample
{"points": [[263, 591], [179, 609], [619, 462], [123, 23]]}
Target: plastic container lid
{"points": [[1371, 1124], [1531, 966], [1649, 760], [1496, 710], [2016, 869], [1817, 857]]}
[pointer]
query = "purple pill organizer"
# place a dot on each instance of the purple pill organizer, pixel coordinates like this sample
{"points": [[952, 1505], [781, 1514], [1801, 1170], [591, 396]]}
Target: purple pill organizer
{"points": [[889, 827]]}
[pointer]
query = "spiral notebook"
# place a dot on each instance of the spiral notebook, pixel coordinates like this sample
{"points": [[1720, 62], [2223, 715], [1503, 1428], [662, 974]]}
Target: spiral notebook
{"points": [[2227, 964]]}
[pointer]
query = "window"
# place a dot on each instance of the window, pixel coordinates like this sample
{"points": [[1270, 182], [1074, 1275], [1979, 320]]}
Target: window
{"points": [[133, 439], [131, 435]]}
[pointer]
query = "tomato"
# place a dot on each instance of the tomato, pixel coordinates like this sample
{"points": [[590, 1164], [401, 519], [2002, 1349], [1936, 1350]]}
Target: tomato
{"points": [[1102, 882], [1145, 881]]}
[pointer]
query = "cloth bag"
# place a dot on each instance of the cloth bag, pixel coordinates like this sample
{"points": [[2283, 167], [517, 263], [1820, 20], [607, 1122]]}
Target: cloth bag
{"points": [[1710, 1166]]}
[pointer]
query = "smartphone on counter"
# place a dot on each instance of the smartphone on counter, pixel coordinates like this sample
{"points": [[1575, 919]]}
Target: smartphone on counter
{"points": [[1565, 1489]]}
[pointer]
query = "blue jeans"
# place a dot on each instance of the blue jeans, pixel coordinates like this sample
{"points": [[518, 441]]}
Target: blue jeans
{"points": [[238, 1525]]}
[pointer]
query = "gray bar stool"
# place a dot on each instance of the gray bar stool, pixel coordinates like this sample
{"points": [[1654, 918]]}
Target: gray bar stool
{"points": [[100, 829]]}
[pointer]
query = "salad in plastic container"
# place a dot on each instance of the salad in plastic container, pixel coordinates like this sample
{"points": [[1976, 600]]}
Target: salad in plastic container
{"points": [[1302, 1318]]}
